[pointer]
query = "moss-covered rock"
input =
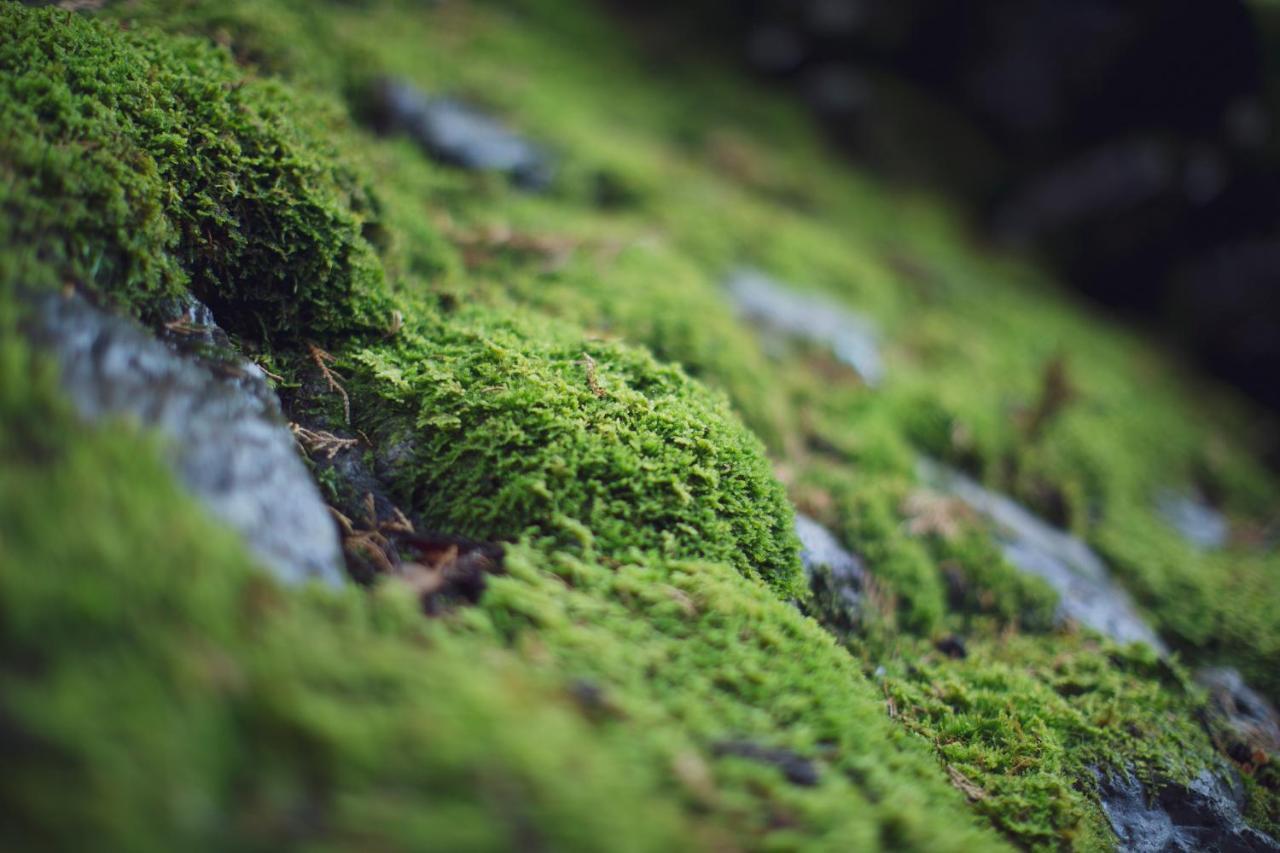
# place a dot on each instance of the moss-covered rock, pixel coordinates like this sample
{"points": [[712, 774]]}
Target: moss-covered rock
{"points": [[537, 368]]}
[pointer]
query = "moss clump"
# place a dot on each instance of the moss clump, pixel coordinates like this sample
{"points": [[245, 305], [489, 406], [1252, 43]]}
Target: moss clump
{"points": [[491, 431], [137, 166], [1023, 719]]}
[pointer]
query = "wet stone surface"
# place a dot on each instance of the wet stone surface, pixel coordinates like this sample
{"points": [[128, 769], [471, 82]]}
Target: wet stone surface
{"points": [[1087, 594], [1204, 814], [1199, 523], [1244, 724], [456, 133], [225, 436], [836, 577], [772, 305]]}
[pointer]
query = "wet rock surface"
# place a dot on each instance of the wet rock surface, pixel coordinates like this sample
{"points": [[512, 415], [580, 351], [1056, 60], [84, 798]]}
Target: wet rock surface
{"points": [[1244, 724], [224, 434], [770, 304], [1087, 594], [1204, 814], [458, 134], [1199, 523], [837, 578]]}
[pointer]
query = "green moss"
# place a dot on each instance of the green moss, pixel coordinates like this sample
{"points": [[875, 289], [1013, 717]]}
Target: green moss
{"points": [[156, 692], [215, 146], [1025, 719], [497, 433], [137, 166]]}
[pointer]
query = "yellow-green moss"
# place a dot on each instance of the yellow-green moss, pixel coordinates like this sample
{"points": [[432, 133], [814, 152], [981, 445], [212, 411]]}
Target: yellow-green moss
{"points": [[619, 471]]}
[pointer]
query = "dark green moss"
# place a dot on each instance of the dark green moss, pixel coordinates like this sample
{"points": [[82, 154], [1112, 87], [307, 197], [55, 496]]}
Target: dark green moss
{"points": [[137, 166]]}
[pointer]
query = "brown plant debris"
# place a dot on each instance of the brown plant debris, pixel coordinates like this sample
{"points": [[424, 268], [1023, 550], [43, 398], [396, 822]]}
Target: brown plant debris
{"points": [[319, 441], [965, 784], [322, 360]]}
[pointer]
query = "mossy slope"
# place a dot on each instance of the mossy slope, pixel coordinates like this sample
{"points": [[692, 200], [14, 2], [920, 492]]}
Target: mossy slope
{"points": [[469, 321]]}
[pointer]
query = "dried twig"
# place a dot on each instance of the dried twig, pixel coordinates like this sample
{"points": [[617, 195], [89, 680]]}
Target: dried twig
{"points": [[965, 784], [322, 360], [592, 382], [319, 441]]}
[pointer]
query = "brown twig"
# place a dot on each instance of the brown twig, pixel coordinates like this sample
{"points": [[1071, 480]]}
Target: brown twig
{"points": [[592, 382], [319, 441], [322, 360]]}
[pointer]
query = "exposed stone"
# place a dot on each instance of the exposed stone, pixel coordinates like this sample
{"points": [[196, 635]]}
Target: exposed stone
{"points": [[772, 305], [225, 436], [836, 577], [458, 134], [1199, 523], [1245, 725], [796, 768], [1204, 814], [1086, 592]]}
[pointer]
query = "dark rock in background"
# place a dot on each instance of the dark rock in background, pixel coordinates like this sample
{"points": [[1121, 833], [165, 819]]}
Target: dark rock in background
{"points": [[1131, 142], [1197, 521], [223, 431], [1244, 724], [1086, 592], [458, 134], [797, 769], [1204, 814], [837, 578], [776, 307]]}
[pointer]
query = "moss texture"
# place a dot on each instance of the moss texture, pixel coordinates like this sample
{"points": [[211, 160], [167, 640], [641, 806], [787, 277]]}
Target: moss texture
{"points": [[563, 371]]}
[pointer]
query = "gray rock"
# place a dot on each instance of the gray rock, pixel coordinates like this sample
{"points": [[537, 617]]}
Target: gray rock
{"points": [[772, 305], [836, 577], [1199, 523], [1086, 592], [1205, 814], [1243, 722], [458, 134], [225, 436]]}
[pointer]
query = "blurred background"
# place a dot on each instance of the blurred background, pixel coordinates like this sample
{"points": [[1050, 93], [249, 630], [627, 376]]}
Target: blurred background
{"points": [[1132, 144]]}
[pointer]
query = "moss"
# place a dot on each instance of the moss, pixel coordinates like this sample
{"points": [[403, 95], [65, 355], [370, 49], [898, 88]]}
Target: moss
{"points": [[158, 693], [1024, 720], [149, 707], [497, 433], [137, 166], [646, 512]]}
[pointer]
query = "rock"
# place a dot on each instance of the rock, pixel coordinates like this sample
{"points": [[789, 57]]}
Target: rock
{"points": [[458, 134], [1199, 523], [837, 578], [1085, 589], [226, 438], [953, 646], [772, 305], [796, 768], [1202, 815], [1245, 725]]}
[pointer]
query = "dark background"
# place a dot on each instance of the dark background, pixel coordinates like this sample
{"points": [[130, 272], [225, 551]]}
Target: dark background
{"points": [[1132, 143]]}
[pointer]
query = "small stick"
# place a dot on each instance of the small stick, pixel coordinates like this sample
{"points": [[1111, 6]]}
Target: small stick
{"points": [[322, 360], [592, 382]]}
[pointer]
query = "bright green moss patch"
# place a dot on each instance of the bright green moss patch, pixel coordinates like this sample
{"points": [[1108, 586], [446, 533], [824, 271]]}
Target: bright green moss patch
{"points": [[493, 432], [1024, 719], [137, 165]]}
